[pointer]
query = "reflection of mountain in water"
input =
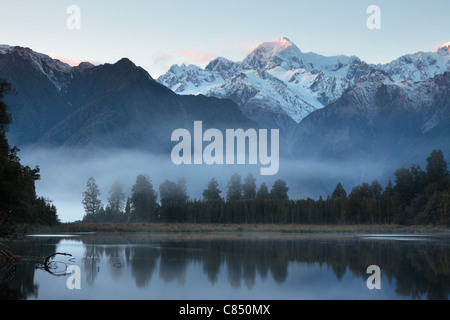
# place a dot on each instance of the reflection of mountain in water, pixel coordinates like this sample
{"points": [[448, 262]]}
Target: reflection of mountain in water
{"points": [[417, 271]]}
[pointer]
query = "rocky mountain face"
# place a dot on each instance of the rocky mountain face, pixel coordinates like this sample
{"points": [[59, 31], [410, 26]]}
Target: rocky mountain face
{"points": [[362, 120], [111, 105], [419, 66], [278, 85], [380, 120]]}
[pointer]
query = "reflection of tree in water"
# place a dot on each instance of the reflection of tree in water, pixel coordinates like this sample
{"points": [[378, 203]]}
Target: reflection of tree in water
{"points": [[417, 270], [420, 270], [175, 257], [116, 259], [427, 265], [277, 263], [22, 286], [233, 261], [143, 263], [91, 260], [249, 271], [245, 259], [213, 260]]}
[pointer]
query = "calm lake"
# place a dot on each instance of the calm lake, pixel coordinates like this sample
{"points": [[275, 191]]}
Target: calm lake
{"points": [[225, 267]]}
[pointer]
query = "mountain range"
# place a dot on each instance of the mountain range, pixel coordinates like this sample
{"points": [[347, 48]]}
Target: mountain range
{"points": [[279, 85], [334, 109], [108, 106], [330, 110], [379, 119]]}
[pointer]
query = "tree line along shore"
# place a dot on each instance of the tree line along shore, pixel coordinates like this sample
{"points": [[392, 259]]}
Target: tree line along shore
{"points": [[417, 197], [216, 229]]}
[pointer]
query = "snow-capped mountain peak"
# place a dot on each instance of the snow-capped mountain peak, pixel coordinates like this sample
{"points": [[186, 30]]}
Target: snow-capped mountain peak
{"points": [[277, 78], [274, 78], [274, 47], [267, 55], [226, 68], [4, 48], [444, 49], [419, 66]]}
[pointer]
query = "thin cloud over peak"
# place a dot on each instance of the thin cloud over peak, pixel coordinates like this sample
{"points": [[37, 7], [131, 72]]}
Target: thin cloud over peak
{"points": [[71, 62]]}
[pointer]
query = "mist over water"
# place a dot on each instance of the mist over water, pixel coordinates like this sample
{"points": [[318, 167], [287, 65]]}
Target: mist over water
{"points": [[64, 174]]}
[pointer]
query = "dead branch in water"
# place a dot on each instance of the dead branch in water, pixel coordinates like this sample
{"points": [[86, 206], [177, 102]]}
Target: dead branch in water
{"points": [[50, 266]]}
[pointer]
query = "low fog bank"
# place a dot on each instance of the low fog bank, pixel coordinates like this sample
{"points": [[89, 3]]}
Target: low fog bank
{"points": [[64, 174]]}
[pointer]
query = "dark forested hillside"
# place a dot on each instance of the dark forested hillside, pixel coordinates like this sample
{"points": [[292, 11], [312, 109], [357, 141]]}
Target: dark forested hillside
{"points": [[18, 200], [112, 105]]}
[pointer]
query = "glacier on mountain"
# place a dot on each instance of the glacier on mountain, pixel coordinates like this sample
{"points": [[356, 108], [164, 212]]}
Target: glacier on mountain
{"points": [[279, 79]]}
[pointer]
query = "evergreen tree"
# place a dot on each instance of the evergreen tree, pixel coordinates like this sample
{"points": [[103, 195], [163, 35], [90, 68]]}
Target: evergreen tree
{"points": [[18, 199], [356, 203], [91, 201], [339, 192], [404, 185], [171, 192], [100, 215], [249, 187], [5, 117], [128, 210], [212, 192], [46, 213], [116, 197], [263, 192], [388, 204], [437, 171], [279, 190], [174, 200], [234, 188], [143, 200], [376, 188], [419, 177], [338, 205]]}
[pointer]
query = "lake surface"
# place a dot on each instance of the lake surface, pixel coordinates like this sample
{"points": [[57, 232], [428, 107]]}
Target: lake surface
{"points": [[266, 267]]}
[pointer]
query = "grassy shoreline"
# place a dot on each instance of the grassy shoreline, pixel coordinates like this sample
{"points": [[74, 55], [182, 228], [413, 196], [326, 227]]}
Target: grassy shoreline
{"points": [[233, 228]]}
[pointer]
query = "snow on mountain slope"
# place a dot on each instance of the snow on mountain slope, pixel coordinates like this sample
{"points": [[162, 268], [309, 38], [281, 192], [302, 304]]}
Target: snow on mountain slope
{"points": [[4, 48], [276, 77], [57, 72], [279, 78], [190, 79], [420, 65], [255, 88], [379, 120]]}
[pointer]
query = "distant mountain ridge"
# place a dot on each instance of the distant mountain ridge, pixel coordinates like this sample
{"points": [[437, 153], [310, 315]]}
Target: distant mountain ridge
{"points": [[379, 119], [110, 105], [279, 85]]}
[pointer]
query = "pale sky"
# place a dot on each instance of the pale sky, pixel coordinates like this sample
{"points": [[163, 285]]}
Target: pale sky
{"points": [[156, 34]]}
